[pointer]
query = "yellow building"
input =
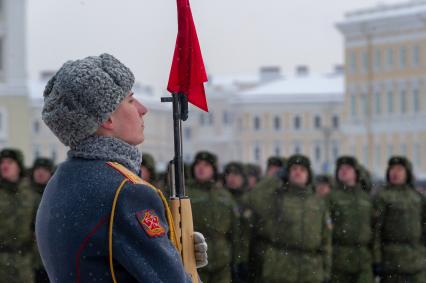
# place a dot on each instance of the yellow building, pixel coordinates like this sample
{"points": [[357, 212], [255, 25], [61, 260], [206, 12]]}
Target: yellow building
{"points": [[385, 97], [14, 101]]}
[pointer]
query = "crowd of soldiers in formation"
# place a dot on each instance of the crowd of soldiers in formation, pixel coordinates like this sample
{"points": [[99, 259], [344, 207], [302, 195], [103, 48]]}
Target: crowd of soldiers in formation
{"points": [[292, 226], [284, 226]]}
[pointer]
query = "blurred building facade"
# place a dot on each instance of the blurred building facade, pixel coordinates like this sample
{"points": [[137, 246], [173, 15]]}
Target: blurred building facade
{"points": [[14, 101], [255, 118], [385, 95]]}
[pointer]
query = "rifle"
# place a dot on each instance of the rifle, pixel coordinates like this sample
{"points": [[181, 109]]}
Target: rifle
{"points": [[180, 204]]}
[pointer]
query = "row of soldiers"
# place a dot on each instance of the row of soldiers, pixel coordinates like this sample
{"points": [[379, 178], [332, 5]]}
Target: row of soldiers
{"points": [[280, 230], [20, 194]]}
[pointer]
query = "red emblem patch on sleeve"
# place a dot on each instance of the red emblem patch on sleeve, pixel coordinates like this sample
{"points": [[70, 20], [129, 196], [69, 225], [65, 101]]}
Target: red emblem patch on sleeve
{"points": [[150, 223]]}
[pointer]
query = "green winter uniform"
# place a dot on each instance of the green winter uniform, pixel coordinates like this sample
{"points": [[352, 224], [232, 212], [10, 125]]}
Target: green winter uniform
{"points": [[400, 248], [351, 213], [291, 234], [400, 230], [213, 216], [16, 234]]}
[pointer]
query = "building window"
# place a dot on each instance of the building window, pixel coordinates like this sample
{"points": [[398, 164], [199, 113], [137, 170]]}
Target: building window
{"points": [[256, 122], [416, 56], [256, 153], [297, 148], [210, 117], [335, 150], [202, 119], [317, 122], [54, 154], [226, 118], [36, 126], [277, 123], [377, 59], [187, 133], [277, 150], [297, 122], [353, 64], [353, 105], [36, 151], [403, 102], [317, 153], [390, 101], [378, 103], [402, 57], [416, 100], [389, 57], [335, 122]]}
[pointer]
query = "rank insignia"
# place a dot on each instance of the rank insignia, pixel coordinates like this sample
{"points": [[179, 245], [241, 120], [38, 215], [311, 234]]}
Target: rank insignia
{"points": [[150, 223]]}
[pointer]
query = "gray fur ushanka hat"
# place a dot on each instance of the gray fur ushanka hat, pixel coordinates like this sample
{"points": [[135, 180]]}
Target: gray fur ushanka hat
{"points": [[83, 94]]}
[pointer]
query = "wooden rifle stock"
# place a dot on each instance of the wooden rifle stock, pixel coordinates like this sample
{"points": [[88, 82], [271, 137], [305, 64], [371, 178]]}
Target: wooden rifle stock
{"points": [[180, 204]]}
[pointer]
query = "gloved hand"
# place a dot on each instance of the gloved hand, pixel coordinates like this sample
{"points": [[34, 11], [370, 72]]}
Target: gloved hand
{"points": [[200, 248]]}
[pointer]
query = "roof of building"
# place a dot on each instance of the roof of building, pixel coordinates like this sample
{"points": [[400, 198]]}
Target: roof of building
{"points": [[308, 88], [386, 11]]}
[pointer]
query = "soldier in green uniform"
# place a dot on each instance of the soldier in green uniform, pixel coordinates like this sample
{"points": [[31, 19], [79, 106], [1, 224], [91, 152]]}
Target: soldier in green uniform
{"points": [[400, 227], [235, 181], [273, 166], [253, 173], [323, 185], [351, 213], [148, 172], [16, 214], [41, 172], [291, 233], [213, 215]]}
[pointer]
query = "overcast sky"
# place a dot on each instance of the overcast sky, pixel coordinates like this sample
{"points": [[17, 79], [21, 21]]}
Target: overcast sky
{"points": [[236, 36]]}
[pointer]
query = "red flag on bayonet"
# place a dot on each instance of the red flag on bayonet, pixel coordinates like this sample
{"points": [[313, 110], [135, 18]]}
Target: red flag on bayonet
{"points": [[188, 74]]}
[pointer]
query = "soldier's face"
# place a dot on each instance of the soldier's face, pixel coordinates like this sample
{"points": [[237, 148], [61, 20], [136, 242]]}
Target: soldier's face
{"points": [[127, 121], [322, 189], [272, 170], [298, 175], [397, 175], [252, 181], [347, 175], [145, 173], [41, 175], [9, 169], [203, 171], [234, 181]]}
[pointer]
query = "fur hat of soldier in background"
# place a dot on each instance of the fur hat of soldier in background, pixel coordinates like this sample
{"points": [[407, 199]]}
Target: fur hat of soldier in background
{"points": [[274, 161], [347, 160], [83, 94], [43, 162], [17, 155], [401, 160], [324, 179], [208, 157], [299, 159], [235, 168], [148, 162], [253, 170], [365, 178]]}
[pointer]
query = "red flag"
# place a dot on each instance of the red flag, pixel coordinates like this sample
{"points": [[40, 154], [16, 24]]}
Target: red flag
{"points": [[188, 74]]}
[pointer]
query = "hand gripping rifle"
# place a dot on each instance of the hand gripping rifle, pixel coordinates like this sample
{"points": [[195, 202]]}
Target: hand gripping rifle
{"points": [[179, 202]]}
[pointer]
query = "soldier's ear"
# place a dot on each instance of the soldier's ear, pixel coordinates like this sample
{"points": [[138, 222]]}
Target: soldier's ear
{"points": [[107, 125]]}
